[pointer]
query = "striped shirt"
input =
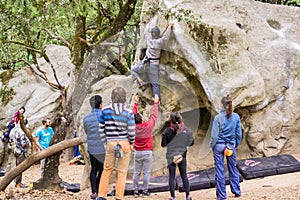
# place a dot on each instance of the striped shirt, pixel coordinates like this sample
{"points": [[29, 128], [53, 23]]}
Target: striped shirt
{"points": [[117, 123]]}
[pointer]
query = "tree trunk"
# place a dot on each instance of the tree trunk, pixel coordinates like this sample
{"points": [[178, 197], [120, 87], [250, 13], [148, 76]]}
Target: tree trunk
{"points": [[91, 71], [36, 157], [62, 124], [79, 48], [34, 145]]}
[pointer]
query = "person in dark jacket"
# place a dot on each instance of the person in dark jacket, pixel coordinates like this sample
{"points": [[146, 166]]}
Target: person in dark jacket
{"points": [[149, 66], [95, 146], [143, 144], [226, 131], [177, 138], [13, 123]]}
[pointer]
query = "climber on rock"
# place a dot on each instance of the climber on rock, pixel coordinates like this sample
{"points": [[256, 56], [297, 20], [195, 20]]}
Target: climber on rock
{"points": [[149, 66]]}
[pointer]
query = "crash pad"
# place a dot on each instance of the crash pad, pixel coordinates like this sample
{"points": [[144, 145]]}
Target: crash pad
{"points": [[202, 179], [73, 187], [268, 166], [156, 184]]}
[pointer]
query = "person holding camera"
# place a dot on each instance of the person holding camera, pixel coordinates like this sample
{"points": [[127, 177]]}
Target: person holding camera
{"points": [[177, 138], [117, 131], [226, 135], [21, 149]]}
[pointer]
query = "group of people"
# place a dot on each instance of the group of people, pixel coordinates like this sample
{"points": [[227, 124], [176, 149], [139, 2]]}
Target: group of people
{"points": [[114, 131], [226, 131], [22, 143]]}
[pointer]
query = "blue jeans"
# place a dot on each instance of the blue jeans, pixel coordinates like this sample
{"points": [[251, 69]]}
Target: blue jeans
{"points": [[142, 163], [10, 126], [148, 73], [234, 178]]}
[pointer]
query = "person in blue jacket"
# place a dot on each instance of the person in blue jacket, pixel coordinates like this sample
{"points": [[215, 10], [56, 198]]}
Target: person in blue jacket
{"points": [[95, 146], [226, 132]]}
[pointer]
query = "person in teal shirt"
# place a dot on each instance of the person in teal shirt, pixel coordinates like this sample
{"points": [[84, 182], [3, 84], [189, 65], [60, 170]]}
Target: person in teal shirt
{"points": [[43, 137]]}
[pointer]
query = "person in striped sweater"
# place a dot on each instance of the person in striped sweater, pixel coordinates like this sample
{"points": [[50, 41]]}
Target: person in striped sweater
{"points": [[117, 127]]}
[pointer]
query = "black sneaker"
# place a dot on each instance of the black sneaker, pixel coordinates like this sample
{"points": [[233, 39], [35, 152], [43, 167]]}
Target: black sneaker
{"points": [[237, 195], [94, 195], [112, 193], [146, 194], [189, 198], [136, 195], [100, 198]]}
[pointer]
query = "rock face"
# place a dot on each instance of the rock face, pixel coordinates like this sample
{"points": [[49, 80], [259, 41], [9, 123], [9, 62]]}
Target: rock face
{"points": [[39, 99], [248, 49]]}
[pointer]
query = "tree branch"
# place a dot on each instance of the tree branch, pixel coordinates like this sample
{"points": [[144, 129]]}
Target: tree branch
{"points": [[85, 41], [24, 45], [120, 4], [34, 145], [32, 70], [58, 38], [105, 12], [121, 20], [42, 75]]}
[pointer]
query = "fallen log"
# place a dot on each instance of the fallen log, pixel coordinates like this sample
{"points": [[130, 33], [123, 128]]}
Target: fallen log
{"points": [[33, 158]]}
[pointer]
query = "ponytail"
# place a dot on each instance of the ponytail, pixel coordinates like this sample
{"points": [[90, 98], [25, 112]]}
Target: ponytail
{"points": [[176, 122], [227, 104]]}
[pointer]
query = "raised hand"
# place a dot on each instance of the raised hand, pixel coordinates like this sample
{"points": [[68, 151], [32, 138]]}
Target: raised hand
{"points": [[155, 99], [136, 98]]}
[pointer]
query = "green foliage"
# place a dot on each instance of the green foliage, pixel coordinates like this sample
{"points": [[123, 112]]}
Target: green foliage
{"points": [[291, 3], [283, 2], [23, 24], [5, 76], [181, 14], [6, 94]]}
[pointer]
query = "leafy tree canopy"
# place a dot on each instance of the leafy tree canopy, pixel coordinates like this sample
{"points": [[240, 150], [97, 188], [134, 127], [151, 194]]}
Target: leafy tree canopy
{"points": [[27, 26]]}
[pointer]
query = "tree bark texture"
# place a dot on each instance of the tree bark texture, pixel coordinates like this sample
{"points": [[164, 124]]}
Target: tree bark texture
{"points": [[92, 70], [34, 145], [78, 47]]}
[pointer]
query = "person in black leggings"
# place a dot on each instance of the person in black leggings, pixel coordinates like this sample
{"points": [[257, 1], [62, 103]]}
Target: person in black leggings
{"points": [[96, 148], [177, 138]]}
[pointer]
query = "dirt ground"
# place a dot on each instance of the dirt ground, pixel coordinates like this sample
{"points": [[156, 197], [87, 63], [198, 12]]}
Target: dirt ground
{"points": [[277, 187]]}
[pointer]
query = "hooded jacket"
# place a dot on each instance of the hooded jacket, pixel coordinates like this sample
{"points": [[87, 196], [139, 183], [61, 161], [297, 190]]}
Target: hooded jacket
{"points": [[143, 139], [176, 143], [117, 123]]}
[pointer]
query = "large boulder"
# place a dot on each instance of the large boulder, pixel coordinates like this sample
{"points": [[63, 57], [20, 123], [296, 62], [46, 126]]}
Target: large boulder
{"points": [[247, 49], [29, 90]]}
